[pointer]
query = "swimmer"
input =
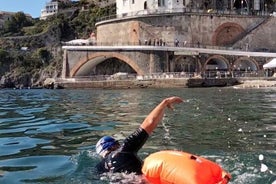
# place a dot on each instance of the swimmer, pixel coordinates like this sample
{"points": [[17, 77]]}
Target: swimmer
{"points": [[123, 157]]}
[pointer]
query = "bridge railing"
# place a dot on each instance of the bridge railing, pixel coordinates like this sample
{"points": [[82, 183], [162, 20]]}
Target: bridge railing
{"points": [[118, 76], [156, 43], [232, 74], [166, 75], [151, 42], [169, 75]]}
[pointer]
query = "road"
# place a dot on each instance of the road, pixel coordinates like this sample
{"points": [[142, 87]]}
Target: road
{"points": [[176, 50]]}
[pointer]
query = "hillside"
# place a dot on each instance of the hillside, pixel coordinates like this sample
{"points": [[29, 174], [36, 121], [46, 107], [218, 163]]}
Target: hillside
{"points": [[30, 49]]}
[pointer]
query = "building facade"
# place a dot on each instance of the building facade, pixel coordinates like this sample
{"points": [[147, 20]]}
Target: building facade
{"points": [[138, 7], [51, 8], [203, 24]]}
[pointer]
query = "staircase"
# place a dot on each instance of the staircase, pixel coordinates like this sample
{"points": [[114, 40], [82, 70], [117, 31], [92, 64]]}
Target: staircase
{"points": [[249, 30]]}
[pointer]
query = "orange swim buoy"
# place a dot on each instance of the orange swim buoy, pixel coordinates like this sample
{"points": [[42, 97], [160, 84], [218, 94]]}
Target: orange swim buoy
{"points": [[176, 167]]}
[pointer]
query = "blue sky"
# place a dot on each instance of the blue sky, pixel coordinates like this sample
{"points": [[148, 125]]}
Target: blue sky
{"points": [[32, 7]]}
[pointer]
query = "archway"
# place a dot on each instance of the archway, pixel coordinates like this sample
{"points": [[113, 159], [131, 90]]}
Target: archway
{"points": [[187, 66], [227, 33], [216, 66], [109, 66], [145, 5], [85, 65], [245, 66]]}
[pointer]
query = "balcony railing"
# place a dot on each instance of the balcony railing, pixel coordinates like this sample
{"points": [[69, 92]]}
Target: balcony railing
{"points": [[240, 12], [171, 75], [158, 43]]}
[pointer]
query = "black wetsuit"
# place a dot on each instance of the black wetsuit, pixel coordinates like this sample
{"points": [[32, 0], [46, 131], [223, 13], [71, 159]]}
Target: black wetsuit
{"points": [[125, 158]]}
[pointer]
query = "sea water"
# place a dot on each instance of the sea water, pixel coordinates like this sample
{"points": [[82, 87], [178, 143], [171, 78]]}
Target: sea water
{"points": [[49, 136]]}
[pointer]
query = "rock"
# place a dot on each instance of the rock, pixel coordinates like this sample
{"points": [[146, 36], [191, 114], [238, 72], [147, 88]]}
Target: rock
{"points": [[49, 83], [6, 82]]}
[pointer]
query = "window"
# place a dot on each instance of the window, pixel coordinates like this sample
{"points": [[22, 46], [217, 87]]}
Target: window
{"points": [[133, 1], [161, 3], [124, 2]]}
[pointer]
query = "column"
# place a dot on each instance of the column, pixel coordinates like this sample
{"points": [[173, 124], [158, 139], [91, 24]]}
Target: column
{"points": [[64, 65]]}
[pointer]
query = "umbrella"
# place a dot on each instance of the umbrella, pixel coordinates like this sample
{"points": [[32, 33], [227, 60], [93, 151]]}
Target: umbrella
{"points": [[270, 64]]}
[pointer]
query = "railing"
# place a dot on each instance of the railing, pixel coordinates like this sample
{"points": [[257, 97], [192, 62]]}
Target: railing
{"points": [[157, 43], [232, 74], [166, 75], [239, 12], [169, 75]]}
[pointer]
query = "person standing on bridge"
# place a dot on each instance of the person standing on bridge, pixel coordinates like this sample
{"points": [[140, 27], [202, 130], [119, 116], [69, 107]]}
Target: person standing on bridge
{"points": [[176, 43], [123, 157]]}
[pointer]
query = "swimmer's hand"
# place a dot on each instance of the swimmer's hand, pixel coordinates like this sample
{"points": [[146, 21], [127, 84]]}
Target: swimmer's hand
{"points": [[156, 115], [173, 100]]}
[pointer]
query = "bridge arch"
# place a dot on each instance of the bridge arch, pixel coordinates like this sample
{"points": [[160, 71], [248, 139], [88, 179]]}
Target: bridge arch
{"points": [[216, 62], [227, 33], [93, 59], [245, 64], [188, 64]]}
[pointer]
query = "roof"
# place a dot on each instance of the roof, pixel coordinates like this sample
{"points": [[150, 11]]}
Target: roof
{"points": [[270, 64]]}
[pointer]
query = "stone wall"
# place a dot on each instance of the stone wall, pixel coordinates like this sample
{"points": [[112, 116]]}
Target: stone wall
{"points": [[79, 63], [202, 30], [261, 39], [126, 84]]}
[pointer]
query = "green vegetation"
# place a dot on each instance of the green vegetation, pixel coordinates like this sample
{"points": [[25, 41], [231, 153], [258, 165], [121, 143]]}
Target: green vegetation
{"points": [[14, 25], [4, 55], [30, 48], [72, 21], [84, 22]]}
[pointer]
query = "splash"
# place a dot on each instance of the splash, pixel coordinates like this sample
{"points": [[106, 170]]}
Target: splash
{"points": [[122, 178], [264, 167]]}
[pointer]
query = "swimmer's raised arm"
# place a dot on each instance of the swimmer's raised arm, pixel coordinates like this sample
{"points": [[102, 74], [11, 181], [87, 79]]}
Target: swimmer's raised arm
{"points": [[156, 115]]}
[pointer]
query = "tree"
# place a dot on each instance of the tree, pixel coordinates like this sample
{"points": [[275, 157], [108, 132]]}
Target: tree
{"points": [[43, 55], [3, 55], [16, 23], [84, 2]]}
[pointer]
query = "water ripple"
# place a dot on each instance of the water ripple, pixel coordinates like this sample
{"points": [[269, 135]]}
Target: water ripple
{"points": [[42, 131]]}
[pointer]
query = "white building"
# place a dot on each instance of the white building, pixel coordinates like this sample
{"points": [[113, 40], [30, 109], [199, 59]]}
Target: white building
{"points": [[51, 8], [140, 7]]}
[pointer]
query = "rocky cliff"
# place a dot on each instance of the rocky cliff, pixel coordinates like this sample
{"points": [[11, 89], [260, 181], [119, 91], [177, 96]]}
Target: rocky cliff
{"points": [[30, 59], [33, 53]]}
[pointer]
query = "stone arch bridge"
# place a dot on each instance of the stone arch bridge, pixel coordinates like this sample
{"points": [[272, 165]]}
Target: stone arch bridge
{"points": [[78, 61]]}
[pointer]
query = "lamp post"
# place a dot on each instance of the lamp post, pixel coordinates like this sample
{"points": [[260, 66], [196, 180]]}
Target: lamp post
{"points": [[263, 6], [242, 6]]}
